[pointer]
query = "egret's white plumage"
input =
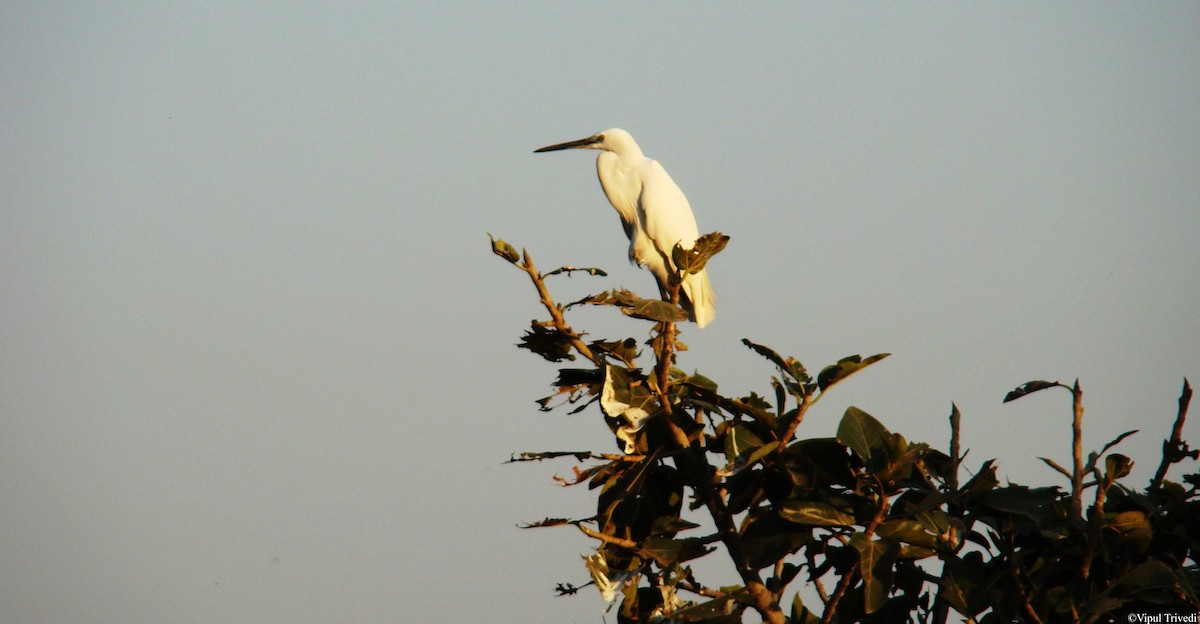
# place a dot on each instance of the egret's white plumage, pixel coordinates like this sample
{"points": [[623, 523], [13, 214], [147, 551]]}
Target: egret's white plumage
{"points": [[655, 213]]}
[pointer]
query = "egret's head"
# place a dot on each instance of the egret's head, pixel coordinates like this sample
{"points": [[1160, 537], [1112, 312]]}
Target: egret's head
{"points": [[613, 140]]}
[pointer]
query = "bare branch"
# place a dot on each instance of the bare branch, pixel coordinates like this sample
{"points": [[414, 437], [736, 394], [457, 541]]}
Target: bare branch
{"points": [[556, 316], [843, 585], [608, 539], [1077, 451], [1053, 464], [941, 605], [1173, 447]]}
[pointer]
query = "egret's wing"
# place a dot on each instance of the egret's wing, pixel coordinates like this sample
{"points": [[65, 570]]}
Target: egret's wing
{"points": [[669, 220], [623, 188], [665, 212]]}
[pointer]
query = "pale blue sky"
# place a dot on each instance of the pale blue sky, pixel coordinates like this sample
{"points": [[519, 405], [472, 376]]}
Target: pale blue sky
{"points": [[257, 360]]}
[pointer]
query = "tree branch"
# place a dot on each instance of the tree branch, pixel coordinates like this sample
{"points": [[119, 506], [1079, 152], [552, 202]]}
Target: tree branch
{"points": [[1173, 446], [848, 578], [665, 354], [838, 592], [801, 409], [941, 607], [691, 462], [1095, 523], [1015, 570], [1077, 451], [555, 310], [608, 539]]}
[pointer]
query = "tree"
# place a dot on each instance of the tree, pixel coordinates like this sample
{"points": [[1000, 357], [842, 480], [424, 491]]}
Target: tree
{"points": [[880, 526]]}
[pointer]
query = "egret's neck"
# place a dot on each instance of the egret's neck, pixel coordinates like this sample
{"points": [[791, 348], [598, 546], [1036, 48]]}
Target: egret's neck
{"points": [[628, 155]]}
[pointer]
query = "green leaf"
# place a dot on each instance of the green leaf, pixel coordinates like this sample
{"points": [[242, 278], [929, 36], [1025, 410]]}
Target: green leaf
{"points": [[699, 381], [668, 551], [789, 366], [800, 613], [928, 529], [817, 513], [897, 458], [693, 260], [671, 524], [504, 250], [1116, 466], [1034, 503], [844, 368], [748, 458], [955, 590], [656, 310], [983, 482], [743, 447], [820, 463], [1029, 388], [767, 538], [740, 439], [876, 560], [1117, 440], [632, 305], [1147, 576], [908, 531], [1133, 527], [726, 609], [765, 351], [664, 550], [946, 529], [861, 432]]}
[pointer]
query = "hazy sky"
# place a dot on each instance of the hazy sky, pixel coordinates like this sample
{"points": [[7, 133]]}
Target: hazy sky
{"points": [[257, 360]]}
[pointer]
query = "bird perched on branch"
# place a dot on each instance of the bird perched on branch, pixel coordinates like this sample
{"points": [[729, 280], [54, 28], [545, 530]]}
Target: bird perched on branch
{"points": [[654, 212]]}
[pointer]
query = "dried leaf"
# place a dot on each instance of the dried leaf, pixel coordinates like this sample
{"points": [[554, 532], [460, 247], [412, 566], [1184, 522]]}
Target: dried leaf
{"points": [[504, 250], [1029, 388]]}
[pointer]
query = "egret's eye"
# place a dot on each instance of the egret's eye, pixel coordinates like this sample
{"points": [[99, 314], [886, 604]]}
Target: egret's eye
{"points": [[599, 138]]}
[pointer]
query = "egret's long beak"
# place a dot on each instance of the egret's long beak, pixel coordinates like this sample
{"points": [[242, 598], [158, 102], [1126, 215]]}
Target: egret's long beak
{"points": [[588, 142]]}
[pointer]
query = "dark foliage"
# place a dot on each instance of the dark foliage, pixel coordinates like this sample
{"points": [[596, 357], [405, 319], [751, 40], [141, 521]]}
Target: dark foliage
{"points": [[881, 526]]}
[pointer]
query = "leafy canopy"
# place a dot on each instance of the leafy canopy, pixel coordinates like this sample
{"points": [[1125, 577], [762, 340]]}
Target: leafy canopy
{"points": [[878, 525]]}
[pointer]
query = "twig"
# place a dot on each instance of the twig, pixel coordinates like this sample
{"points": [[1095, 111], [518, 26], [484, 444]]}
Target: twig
{"points": [[838, 592], [955, 456], [941, 608], [801, 409], [691, 460], [1063, 471], [820, 587], [666, 354], [693, 464], [1095, 523], [609, 539], [848, 578], [699, 590], [555, 311], [1077, 451], [1014, 570], [1174, 446]]}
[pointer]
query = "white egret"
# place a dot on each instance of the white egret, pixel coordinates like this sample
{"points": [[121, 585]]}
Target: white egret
{"points": [[655, 213]]}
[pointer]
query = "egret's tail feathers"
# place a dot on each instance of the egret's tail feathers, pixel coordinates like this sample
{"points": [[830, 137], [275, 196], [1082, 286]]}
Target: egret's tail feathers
{"points": [[701, 300]]}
